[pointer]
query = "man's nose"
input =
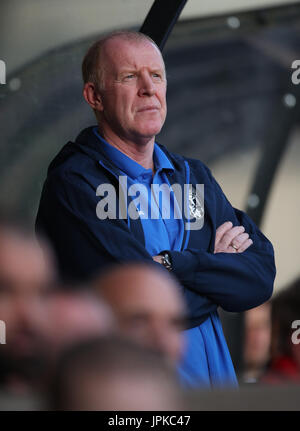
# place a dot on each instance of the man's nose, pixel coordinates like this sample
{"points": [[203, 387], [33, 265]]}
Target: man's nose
{"points": [[146, 86]]}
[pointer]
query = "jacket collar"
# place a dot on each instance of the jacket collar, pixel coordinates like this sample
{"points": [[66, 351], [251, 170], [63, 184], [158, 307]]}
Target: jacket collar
{"points": [[88, 142], [129, 166]]}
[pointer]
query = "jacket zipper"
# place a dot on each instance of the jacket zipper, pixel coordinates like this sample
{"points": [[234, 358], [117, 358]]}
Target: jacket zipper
{"points": [[186, 236]]}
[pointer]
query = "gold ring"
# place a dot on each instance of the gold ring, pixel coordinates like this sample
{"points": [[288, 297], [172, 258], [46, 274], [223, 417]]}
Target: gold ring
{"points": [[235, 247]]}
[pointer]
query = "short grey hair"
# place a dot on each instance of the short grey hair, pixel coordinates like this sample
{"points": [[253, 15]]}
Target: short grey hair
{"points": [[92, 69]]}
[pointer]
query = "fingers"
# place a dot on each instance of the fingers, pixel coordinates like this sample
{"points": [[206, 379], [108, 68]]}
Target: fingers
{"points": [[222, 230], [231, 239], [239, 240], [245, 245], [229, 236]]}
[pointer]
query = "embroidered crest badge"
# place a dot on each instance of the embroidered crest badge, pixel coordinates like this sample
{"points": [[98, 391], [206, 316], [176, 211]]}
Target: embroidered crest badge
{"points": [[196, 204]]}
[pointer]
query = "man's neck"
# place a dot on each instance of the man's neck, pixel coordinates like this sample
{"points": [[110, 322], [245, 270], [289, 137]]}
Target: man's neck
{"points": [[141, 151]]}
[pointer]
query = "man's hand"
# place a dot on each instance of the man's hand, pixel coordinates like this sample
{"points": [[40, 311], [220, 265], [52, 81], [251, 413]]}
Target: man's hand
{"points": [[157, 259], [231, 239]]}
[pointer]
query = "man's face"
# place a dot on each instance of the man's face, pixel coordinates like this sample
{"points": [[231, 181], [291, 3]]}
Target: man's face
{"points": [[134, 96], [148, 309], [258, 335], [74, 317], [25, 277]]}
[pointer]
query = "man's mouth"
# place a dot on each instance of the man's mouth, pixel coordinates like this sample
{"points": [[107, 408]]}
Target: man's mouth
{"points": [[149, 109]]}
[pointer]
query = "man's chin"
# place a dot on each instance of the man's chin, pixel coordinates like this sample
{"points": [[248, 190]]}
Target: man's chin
{"points": [[148, 133]]}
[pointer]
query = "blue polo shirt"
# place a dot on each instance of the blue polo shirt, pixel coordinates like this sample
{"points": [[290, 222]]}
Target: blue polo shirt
{"points": [[206, 361], [162, 231]]}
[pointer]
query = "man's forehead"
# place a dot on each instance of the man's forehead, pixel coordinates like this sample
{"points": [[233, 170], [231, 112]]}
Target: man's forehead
{"points": [[122, 53], [146, 297]]}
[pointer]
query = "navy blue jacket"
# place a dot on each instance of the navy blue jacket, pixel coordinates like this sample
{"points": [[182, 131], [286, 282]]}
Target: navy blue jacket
{"points": [[84, 244]]}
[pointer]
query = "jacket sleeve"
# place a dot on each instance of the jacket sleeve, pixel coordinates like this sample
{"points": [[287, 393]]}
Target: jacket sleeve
{"points": [[235, 281]]}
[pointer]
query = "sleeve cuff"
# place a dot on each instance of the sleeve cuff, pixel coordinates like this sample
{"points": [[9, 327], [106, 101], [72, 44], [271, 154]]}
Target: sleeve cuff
{"points": [[183, 261]]}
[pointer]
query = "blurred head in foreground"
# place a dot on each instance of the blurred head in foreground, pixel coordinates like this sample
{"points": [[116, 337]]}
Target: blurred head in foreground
{"points": [[257, 341], [113, 374], [27, 276], [75, 315], [148, 306], [285, 358]]}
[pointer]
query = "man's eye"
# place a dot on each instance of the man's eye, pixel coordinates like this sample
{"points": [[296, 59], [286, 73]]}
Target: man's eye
{"points": [[130, 76]]}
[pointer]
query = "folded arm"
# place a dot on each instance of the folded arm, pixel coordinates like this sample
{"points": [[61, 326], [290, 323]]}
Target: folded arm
{"points": [[236, 281]]}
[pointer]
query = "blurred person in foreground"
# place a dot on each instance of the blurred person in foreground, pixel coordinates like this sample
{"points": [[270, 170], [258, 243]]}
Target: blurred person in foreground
{"points": [[148, 306], [99, 205], [257, 342], [285, 348], [112, 373], [74, 316], [27, 276], [41, 317]]}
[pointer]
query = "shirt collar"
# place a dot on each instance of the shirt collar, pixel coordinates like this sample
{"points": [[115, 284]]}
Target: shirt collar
{"points": [[128, 165]]}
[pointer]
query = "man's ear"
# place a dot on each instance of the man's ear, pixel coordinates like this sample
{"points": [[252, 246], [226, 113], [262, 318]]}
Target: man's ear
{"points": [[92, 96]]}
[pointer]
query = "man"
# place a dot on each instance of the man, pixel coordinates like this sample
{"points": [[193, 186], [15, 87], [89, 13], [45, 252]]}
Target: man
{"points": [[218, 265], [27, 276], [112, 373], [148, 306], [258, 327]]}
